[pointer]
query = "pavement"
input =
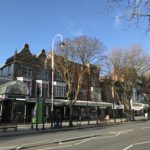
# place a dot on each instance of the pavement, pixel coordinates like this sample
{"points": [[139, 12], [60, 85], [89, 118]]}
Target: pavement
{"points": [[25, 129]]}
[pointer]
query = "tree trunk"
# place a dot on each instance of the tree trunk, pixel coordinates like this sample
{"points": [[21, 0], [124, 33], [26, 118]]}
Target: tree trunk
{"points": [[131, 113], [70, 115], [114, 116], [148, 113], [128, 110]]}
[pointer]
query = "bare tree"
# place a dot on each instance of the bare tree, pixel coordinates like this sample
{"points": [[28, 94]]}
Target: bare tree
{"points": [[129, 65], [106, 67], [135, 11], [73, 62]]}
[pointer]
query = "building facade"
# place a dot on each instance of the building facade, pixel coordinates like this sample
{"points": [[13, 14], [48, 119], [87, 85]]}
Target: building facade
{"points": [[25, 80]]}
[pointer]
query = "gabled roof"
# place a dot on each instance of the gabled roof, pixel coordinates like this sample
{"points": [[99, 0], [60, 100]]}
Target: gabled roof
{"points": [[25, 55]]}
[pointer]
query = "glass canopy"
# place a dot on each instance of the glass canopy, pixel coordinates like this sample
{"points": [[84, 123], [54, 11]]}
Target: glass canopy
{"points": [[14, 88]]}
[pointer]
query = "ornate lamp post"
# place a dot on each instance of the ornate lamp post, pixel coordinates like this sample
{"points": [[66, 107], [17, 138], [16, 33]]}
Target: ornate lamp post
{"points": [[52, 92], [1, 110]]}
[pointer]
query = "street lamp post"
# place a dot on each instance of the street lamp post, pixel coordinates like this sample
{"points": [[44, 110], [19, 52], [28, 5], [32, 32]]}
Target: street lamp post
{"points": [[52, 92], [1, 110]]}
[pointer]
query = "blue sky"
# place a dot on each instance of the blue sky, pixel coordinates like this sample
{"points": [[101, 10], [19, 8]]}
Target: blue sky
{"points": [[36, 22]]}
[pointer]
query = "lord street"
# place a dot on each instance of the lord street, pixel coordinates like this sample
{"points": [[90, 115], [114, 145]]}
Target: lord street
{"points": [[127, 136]]}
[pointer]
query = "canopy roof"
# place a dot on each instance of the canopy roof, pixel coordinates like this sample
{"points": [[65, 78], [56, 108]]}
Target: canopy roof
{"points": [[83, 103], [14, 88]]}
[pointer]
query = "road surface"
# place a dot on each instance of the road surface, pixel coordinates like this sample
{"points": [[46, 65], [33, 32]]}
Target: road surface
{"points": [[131, 136]]}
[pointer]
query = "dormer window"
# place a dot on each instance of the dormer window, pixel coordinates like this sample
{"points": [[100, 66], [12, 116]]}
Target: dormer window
{"points": [[25, 71]]}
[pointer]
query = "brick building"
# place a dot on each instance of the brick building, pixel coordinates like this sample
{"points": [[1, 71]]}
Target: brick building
{"points": [[25, 79]]}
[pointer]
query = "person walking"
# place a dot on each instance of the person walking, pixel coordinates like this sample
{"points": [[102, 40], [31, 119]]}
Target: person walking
{"points": [[107, 119]]}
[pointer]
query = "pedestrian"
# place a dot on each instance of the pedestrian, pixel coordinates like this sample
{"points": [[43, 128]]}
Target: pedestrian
{"points": [[107, 119]]}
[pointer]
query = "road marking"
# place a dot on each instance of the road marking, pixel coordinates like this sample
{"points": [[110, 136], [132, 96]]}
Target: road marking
{"points": [[124, 131], [117, 134], [48, 141], [128, 130], [80, 142], [83, 141], [109, 136], [57, 147], [9, 147], [142, 143], [128, 147], [145, 128], [18, 148]]}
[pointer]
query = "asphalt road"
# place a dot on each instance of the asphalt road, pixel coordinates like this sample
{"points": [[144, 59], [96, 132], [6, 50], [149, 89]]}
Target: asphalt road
{"points": [[132, 136]]}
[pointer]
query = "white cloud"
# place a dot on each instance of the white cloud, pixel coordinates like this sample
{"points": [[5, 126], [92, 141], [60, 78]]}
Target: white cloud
{"points": [[117, 22]]}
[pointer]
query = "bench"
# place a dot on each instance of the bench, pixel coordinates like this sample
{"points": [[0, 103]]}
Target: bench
{"points": [[4, 127]]}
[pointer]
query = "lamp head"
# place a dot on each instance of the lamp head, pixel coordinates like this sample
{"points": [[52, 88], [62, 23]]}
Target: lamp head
{"points": [[62, 44]]}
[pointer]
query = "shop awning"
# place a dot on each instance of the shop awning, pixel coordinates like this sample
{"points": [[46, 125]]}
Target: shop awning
{"points": [[139, 106], [83, 103]]}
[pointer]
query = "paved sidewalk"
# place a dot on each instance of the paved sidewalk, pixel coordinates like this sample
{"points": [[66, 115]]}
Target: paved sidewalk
{"points": [[26, 129]]}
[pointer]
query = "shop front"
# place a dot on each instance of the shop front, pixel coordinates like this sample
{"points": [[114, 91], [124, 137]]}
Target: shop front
{"points": [[13, 97], [83, 110]]}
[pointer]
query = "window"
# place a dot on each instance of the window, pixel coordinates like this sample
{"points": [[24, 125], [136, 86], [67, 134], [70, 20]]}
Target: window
{"points": [[45, 90], [39, 90], [59, 91], [25, 71], [42, 89], [9, 70], [42, 74]]}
